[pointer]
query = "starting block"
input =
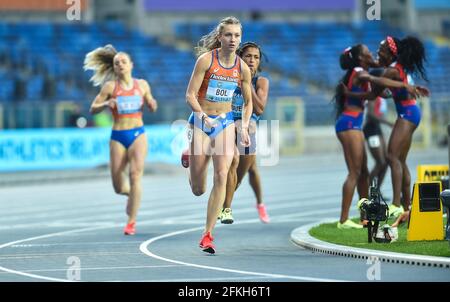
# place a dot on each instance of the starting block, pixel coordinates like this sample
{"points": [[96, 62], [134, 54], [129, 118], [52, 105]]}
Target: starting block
{"points": [[425, 218]]}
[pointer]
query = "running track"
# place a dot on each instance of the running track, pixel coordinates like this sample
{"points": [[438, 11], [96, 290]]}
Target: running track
{"points": [[44, 226]]}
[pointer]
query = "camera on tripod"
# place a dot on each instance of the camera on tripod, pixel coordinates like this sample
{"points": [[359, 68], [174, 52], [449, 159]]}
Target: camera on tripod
{"points": [[375, 210]]}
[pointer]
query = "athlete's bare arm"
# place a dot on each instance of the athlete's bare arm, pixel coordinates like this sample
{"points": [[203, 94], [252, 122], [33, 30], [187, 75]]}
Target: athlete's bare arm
{"points": [[260, 95], [148, 97], [103, 99], [388, 80], [246, 94], [201, 66]]}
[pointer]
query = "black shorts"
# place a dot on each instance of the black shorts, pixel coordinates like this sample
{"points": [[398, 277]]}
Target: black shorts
{"points": [[372, 129]]}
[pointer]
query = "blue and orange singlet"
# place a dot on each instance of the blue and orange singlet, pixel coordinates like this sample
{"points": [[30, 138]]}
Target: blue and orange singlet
{"points": [[352, 120], [129, 102], [129, 105], [406, 108], [220, 82]]}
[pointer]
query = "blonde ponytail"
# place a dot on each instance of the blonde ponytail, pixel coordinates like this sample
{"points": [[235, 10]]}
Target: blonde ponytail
{"points": [[101, 61], [211, 41]]}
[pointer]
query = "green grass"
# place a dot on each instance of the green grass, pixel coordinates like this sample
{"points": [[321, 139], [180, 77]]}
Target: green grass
{"points": [[358, 238]]}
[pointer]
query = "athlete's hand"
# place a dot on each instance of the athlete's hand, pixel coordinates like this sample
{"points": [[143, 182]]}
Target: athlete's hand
{"points": [[213, 122], [245, 138], [153, 105], [111, 103], [423, 91], [209, 122], [417, 91], [412, 90]]}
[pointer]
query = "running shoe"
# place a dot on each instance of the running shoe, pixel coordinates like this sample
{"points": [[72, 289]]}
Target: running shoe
{"points": [[227, 217], [185, 158], [219, 214], [262, 211], [395, 211], [348, 224], [130, 229], [206, 243]]}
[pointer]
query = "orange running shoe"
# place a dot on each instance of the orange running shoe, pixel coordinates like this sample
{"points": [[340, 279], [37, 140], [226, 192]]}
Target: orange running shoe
{"points": [[263, 213], [206, 243], [185, 158], [130, 229]]}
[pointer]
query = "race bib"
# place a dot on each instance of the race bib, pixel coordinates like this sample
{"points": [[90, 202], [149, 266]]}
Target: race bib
{"points": [[238, 103], [237, 109], [129, 104], [220, 91]]}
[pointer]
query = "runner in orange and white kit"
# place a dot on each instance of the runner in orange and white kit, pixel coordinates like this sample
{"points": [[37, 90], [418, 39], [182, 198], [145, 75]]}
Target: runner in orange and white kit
{"points": [[125, 97], [217, 73]]}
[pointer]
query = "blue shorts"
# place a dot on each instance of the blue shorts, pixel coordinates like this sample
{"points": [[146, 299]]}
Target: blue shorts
{"points": [[127, 137], [253, 117], [349, 121], [410, 113], [213, 131]]}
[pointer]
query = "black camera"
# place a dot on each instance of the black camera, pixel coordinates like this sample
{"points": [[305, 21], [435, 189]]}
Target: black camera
{"points": [[375, 208]]}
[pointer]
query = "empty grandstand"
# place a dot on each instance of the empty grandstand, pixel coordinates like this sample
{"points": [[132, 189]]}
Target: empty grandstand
{"points": [[40, 61]]}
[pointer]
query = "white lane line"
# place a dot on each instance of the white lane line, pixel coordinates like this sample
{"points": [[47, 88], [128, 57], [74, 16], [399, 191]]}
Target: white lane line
{"points": [[111, 209], [79, 254], [150, 254], [96, 268], [145, 249], [74, 243], [196, 208], [42, 237], [196, 279]]}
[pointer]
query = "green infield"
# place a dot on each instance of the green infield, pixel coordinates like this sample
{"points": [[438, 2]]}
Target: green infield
{"points": [[358, 238]]}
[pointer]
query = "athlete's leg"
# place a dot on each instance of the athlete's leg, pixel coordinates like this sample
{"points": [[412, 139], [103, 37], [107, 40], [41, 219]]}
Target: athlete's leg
{"points": [[363, 180], [406, 180], [379, 155], [353, 145], [245, 162], [222, 155], [137, 153], [398, 142], [383, 160], [198, 161], [232, 179], [118, 165], [255, 181]]}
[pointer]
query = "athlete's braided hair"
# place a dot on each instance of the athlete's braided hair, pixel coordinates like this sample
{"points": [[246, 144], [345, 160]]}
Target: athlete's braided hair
{"points": [[411, 54]]}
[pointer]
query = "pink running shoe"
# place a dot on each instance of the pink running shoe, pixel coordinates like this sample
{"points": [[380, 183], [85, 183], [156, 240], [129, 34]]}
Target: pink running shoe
{"points": [[185, 158], [263, 213], [206, 243], [130, 229]]}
